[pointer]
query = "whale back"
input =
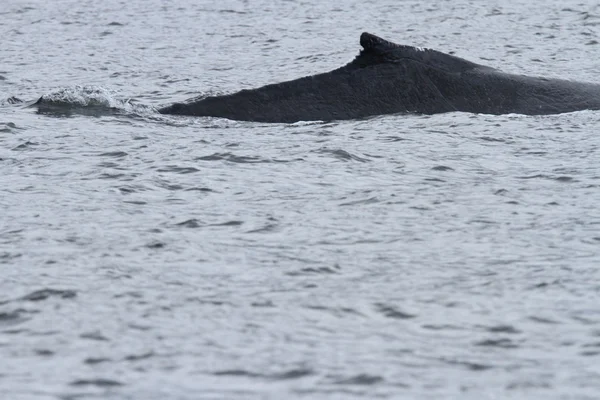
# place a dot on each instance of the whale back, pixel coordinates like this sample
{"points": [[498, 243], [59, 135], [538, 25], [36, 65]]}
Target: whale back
{"points": [[377, 50], [388, 78]]}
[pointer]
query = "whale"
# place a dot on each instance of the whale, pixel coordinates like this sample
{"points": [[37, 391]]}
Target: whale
{"points": [[389, 78]]}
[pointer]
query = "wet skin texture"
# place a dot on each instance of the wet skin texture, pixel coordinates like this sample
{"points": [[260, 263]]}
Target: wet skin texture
{"points": [[387, 78]]}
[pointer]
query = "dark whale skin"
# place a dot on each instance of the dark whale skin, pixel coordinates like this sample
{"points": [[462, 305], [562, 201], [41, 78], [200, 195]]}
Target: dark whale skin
{"points": [[387, 78]]}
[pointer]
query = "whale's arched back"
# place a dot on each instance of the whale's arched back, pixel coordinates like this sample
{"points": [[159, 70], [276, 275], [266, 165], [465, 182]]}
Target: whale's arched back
{"points": [[388, 78]]}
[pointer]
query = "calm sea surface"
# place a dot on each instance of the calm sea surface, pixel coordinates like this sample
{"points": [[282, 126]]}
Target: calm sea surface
{"points": [[454, 256]]}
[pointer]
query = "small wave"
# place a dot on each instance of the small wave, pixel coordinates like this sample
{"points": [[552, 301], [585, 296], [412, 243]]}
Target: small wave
{"points": [[342, 155], [234, 158], [295, 373], [472, 366], [442, 168], [361, 379], [393, 312], [97, 382], [9, 127], [14, 317], [503, 329], [94, 336], [503, 343], [191, 223], [137, 357], [370, 200], [82, 96], [95, 360], [92, 100], [44, 294], [561, 178], [11, 100], [316, 270]]}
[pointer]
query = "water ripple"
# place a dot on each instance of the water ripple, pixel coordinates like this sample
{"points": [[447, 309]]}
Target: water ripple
{"points": [[100, 382], [284, 375], [44, 294], [342, 155]]}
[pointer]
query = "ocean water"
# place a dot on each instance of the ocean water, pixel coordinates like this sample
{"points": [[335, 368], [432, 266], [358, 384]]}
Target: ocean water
{"points": [[453, 256]]}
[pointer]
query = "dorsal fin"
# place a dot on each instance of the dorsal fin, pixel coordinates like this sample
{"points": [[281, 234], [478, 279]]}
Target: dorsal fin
{"points": [[373, 43], [377, 50]]}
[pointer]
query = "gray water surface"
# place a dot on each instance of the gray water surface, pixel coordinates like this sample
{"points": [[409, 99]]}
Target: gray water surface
{"points": [[142, 256]]}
